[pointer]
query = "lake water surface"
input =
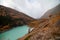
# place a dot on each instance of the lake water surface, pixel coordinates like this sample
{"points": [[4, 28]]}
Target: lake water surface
{"points": [[14, 33]]}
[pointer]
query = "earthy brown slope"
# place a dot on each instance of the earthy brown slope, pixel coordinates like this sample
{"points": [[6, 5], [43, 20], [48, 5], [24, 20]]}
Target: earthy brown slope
{"points": [[11, 18], [48, 29]]}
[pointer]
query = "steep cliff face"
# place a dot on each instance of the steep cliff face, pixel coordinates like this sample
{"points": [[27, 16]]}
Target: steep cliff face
{"points": [[10, 18]]}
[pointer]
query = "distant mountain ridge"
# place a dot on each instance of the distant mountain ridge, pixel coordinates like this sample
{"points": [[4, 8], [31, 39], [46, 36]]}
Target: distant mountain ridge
{"points": [[51, 12]]}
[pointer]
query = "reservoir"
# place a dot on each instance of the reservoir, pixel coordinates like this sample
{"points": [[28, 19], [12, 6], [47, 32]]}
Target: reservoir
{"points": [[14, 33]]}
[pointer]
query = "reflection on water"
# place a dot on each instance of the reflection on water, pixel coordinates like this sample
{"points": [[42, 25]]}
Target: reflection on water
{"points": [[14, 33]]}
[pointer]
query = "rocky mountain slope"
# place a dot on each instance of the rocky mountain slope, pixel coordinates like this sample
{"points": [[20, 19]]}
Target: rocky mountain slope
{"points": [[51, 12], [10, 18], [46, 28]]}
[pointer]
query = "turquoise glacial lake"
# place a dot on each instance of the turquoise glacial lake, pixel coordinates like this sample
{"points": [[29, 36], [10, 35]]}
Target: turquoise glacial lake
{"points": [[14, 33]]}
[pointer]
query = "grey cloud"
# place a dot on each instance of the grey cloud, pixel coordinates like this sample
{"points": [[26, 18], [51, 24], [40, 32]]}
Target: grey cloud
{"points": [[33, 8]]}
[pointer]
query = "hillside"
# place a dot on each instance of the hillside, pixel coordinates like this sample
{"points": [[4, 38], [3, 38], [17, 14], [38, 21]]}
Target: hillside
{"points": [[10, 18], [47, 27], [51, 12]]}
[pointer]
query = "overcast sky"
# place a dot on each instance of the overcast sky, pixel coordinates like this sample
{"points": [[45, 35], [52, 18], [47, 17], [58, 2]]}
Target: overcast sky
{"points": [[33, 8]]}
